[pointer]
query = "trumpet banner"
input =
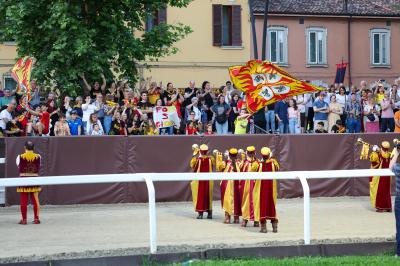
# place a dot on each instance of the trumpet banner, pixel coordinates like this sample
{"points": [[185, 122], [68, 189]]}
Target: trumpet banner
{"points": [[265, 83], [21, 73]]}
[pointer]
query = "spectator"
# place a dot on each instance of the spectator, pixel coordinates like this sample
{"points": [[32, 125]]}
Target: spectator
{"points": [[341, 98], [380, 93], [309, 102], [43, 125], [193, 125], [96, 89], [154, 92], [190, 92], [99, 103], [61, 128], [353, 109], [204, 112], [209, 130], [300, 100], [66, 107], [35, 95], [387, 122], [242, 122], [294, 117], [371, 111], [118, 126], [97, 131], [194, 107], [270, 118], [147, 127], [397, 122], [6, 99], [78, 106], [88, 109], [53, 110], [13, 128], [395, 167], [6, 115], [221, 112], [320, 127], [395, 95], [133, 125], [144, 105], [93, 120], [109, 108], [75, 124], [281, 114], [338, 127], [321, 110], [234, 111], [335, 111]]}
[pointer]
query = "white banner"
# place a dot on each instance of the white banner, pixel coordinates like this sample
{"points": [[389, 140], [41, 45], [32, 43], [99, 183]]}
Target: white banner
{"points": [[165, 116]]}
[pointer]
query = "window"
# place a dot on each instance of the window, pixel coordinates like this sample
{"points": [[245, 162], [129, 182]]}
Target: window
{"points": [[158, 17], [316, 46], [227, 25], [9, 83], [380, 47], [277, 50]]}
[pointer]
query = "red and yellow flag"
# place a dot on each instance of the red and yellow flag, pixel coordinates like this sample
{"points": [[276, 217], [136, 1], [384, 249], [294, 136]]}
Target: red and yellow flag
{"points": [[21, 73], [265, 83]]}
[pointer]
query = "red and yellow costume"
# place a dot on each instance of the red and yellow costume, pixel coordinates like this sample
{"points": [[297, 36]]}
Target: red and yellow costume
{"points": [[230, 189], [29, 166], [250, 165], [265, 193], [202, 191], [380, 185]]}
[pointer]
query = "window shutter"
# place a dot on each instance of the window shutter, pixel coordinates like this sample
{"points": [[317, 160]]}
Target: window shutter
{"points": [[162, 15], [217, 25], [236, 25]]}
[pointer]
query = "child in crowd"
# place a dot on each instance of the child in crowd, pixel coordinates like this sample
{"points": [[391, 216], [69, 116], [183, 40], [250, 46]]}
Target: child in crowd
{"points": [[320, 128]]}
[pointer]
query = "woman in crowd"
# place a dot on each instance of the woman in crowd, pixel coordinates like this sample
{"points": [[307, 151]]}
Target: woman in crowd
{"points": [[61, 128], [118, 127], [341, 98], [371, 111], [66, 107], [387, 115], [221, 112], [78, 106], [335, 112], [294, 117], [234, 112], [93, 120]]}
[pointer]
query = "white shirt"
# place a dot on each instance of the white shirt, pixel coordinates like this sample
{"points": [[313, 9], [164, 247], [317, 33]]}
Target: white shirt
{"points": [[300, 99], [197, 113], [308, 100], [5, 117], [88, 109], [341, 99]]}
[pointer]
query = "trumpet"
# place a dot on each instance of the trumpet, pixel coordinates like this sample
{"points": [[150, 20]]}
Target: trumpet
{"points": [[365, 148], [196, 149]]}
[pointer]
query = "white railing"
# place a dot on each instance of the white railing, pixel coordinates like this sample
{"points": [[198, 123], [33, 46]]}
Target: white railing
{"points": [[149, 178]]}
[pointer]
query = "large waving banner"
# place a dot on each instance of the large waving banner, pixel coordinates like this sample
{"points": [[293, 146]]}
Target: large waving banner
{"points": [[21, 73], [165, 116], [265, 83]]}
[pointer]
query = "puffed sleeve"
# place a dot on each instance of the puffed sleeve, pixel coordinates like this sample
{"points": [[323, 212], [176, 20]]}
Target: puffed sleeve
{"points": [[374, 157], [193, 163]]}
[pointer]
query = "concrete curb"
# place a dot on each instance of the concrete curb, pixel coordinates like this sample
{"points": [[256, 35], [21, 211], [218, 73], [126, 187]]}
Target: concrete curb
{"points": [[348, 249]]}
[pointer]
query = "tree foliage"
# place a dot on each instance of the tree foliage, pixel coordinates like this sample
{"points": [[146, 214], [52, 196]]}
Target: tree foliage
{"points": [[69, 37]]}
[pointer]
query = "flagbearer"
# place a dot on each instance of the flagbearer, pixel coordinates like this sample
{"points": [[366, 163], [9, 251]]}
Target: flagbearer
{"points": [[230, 189], [202, 191], [265, 193], [250, 165], [380, 185], [29, 166]]}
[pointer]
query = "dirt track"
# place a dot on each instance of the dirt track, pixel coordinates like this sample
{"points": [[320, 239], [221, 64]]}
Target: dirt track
{"points": [[102, 230]]}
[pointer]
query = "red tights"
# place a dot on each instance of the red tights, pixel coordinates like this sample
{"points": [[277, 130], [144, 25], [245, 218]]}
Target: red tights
{"points": [[24, 204]]}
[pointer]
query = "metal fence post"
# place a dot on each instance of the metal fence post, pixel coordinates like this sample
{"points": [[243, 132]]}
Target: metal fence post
{"points": [[307, 214], [152, 214]]}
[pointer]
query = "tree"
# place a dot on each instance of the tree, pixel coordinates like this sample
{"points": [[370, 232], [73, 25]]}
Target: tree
{"points": [[70, 37]]}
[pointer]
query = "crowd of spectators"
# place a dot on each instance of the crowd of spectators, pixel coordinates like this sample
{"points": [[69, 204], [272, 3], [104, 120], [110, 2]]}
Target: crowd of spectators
{"points": [[118, 109]]}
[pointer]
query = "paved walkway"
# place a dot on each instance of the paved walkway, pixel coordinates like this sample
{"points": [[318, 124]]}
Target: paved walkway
{"points": [[122, 229]]}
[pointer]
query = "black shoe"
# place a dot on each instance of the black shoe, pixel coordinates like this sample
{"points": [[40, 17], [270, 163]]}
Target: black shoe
{"points": [[209, 216], [200, 216]]}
